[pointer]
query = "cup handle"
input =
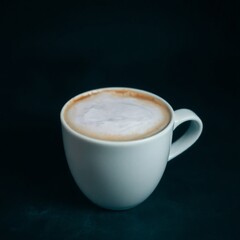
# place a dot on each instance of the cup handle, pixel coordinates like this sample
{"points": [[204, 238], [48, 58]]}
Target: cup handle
{"points": [[190, 136]]}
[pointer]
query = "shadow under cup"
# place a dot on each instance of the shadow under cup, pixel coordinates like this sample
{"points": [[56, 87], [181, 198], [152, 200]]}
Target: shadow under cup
{"points": [[120, 174]]}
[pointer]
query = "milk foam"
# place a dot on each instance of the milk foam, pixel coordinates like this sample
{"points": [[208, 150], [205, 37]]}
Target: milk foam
{"points": [[116, 117]]}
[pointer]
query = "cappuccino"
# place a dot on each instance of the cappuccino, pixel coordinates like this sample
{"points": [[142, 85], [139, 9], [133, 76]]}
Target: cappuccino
{"points": [[117, 115]]}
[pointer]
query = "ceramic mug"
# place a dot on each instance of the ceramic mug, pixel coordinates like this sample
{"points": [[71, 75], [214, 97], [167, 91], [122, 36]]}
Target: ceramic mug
{"points": [[120, 175]]}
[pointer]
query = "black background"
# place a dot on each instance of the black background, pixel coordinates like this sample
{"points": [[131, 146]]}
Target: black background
{"points": [[185, 51]]}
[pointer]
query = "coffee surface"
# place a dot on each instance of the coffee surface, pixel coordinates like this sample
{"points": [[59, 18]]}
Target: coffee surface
{"points": [[117, 115]]}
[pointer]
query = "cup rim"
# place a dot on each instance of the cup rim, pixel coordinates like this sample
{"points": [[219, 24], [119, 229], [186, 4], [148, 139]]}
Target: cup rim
{"points": [[110, 142]]}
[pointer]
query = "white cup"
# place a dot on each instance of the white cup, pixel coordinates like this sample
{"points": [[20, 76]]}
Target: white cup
{"points": [[120, 175]]}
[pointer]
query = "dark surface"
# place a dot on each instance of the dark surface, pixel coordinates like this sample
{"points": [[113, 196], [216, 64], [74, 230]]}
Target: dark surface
{"points": [[186, 52]]}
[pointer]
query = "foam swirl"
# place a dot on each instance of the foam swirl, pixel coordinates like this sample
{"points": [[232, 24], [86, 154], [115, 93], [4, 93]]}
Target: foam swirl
{"points": [[111, 116]]}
